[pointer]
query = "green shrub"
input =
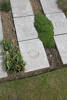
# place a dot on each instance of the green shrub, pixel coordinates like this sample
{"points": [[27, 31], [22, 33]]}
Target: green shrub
{"points": [[5, 5], [45, 30], [12, 58], [62, 4]]}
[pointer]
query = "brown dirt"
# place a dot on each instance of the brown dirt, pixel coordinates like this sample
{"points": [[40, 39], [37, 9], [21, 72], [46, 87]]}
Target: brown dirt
{"points": [[54, 58], [8, 27], [37, 8]]}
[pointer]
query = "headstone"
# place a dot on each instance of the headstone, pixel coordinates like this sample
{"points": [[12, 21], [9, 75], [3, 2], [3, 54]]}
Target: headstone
{"points": [[1, 31], [61, 43], [0, 49], [21, 8], [50, 6], [59, 22], [3, 73], [34, 55], [25, 29]]}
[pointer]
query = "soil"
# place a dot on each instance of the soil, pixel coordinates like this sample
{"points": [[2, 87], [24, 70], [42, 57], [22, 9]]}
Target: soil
{"points": [[37, 8], [8, 28], [54, 58]]}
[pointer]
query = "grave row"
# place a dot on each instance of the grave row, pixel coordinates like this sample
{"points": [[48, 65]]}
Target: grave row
{"points": [[59, 21], [31, 47]]}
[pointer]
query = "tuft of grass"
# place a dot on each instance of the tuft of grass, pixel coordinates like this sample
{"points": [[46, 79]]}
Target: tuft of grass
{"points": [[12, 58], [5, 5], [62, 4], [45, 30]]}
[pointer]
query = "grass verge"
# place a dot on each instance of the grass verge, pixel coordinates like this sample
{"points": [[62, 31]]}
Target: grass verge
{"points": [[45, 30], [50, 86]]}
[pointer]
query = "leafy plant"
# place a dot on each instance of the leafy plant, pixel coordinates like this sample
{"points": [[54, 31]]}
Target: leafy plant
{"points": [[12, 59], [5, 5], [45, 30]]}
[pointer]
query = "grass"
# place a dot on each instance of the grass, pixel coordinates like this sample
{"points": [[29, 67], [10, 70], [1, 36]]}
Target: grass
{"points": [[50, 86], [62, 4], [45, 30], [5, 5]]}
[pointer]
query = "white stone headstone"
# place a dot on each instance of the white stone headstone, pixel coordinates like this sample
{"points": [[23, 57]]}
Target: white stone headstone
{"points": [[3, 73], [50, 6], [21, 8], [61, 43], [0, 49], [59, 22], [25, 29], [1, 31], [34, 55]]}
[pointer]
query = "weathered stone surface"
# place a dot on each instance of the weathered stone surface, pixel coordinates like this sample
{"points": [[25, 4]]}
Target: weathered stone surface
{"points": [[59, 22], [2, 71], [1, 57], [61, 43], [34, 55], [21, 8], [1, 31], [50, 6], [3, 74], [25, 28], [0, 49]]}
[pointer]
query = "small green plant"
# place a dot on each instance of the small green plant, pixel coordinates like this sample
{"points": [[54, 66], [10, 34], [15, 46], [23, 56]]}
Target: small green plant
{"points": [[45, 30], [12, 58], [62, 4], [5, 5]]}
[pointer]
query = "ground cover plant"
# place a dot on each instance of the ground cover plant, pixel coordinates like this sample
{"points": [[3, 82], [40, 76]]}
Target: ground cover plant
{"points": [[12, 57], [45, 30], [62, 4], [5, 5]]}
